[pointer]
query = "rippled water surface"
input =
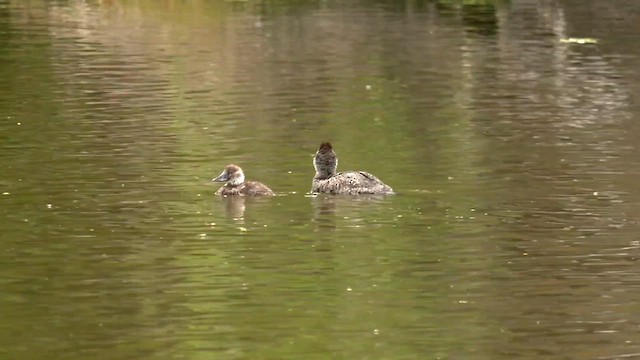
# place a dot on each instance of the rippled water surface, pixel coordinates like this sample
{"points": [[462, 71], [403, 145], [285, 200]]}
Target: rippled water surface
{"points": [[509, 129]]}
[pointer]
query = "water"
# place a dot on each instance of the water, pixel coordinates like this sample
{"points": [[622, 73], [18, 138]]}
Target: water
{"points": [[513, 148]]}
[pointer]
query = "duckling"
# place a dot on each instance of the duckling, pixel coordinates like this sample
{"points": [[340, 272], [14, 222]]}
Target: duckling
{"points": [[236, 185]]}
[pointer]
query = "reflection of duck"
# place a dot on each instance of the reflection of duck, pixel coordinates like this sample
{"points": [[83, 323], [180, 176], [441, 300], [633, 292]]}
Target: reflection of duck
{"points": [[327, 180], [236, 185], [238, 208], [351, 211], [234, 206]]}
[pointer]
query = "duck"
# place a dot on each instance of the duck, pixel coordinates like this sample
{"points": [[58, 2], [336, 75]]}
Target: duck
{"points": [[327, 180], [233, 176]]}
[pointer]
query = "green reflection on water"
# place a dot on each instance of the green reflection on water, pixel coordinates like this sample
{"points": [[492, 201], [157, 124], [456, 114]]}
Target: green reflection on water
{"points": [[119, 113], [114, 240]]}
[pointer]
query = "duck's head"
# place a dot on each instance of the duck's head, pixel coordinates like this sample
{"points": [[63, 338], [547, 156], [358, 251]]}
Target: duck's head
{"points": [[325, 161], [232, 175]]}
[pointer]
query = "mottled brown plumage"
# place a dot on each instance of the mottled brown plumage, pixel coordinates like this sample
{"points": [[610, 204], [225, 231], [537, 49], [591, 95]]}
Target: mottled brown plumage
{"points": [[236, 185], [327, 180]]}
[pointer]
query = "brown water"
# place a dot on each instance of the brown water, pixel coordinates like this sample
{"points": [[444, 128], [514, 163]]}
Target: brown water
{"points": [[514, 150]]}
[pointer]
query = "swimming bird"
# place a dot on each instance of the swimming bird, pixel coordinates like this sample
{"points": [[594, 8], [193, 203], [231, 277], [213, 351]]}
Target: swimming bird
{"points": [[327, 180], [236, 185]]}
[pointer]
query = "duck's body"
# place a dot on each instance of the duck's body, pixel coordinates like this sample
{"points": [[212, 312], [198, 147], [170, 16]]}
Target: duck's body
{"points": [[352, 183], [249, 188], [327, 180], [236, 185]]}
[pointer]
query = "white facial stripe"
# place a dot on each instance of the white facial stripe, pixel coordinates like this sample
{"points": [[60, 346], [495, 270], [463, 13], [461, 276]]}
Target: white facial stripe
{"points": [[238, 178]]}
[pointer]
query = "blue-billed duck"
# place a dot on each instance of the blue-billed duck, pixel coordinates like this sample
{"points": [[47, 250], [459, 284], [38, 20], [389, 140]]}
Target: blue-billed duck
{"points": [[327, 180]]}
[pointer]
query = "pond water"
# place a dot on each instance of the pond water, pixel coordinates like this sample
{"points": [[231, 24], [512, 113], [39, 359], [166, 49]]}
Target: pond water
{"points": [[509, 130]]}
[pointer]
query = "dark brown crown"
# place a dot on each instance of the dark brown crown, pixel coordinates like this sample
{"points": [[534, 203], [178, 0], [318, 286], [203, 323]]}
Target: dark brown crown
{"points": [[232, 168], [325, 147]]}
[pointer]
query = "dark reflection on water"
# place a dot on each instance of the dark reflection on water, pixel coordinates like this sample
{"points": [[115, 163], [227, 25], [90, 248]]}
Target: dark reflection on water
{"points": [[512, 145], [358, 211]]}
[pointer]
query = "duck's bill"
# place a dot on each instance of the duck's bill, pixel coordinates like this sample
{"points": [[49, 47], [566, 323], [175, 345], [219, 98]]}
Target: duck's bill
{"points": [[222, 178]]}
